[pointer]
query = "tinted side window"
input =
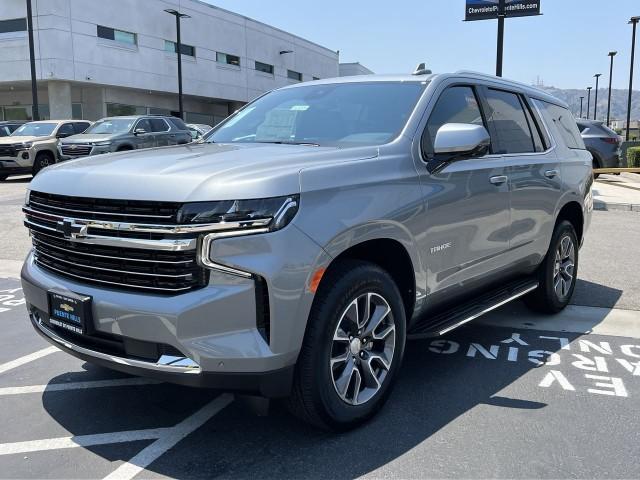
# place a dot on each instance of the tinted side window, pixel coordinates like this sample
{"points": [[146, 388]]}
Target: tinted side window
{"points": [[510, 122], [144, 123], [565, 124], [158, 125], [455, 105], [66, 129], [177, 123], [80, 127]]}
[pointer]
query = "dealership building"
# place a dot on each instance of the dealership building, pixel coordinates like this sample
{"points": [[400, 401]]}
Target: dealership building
{"points": [[96, 58]]}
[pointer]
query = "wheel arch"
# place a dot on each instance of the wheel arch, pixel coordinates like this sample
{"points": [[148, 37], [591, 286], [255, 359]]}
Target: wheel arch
{"points": [[572, 212]]}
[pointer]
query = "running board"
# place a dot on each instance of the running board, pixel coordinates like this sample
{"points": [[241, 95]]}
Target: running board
{"points": [[451, 319]]}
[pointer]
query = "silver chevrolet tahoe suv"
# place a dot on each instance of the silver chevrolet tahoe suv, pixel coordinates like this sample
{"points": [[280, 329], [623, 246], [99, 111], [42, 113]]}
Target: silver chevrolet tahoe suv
{"points": [[294, 250]]}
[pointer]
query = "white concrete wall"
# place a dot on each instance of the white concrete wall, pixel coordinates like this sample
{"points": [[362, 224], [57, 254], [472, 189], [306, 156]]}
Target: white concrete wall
{"points": [[67, 48]]}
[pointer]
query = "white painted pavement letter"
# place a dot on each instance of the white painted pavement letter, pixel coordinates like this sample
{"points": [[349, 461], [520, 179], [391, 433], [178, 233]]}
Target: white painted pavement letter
{"points": [[167, 441], [515, 337], [556, 376], [598, 364], [5, 367], [544, 357], [564, 342], [614, 384], [491, 354], [444, 346], [632, 367]]}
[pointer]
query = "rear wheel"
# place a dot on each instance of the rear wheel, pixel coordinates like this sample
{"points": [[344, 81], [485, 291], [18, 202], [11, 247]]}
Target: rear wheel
{"points": [[43, 160], [352, 349], [557, 273]]}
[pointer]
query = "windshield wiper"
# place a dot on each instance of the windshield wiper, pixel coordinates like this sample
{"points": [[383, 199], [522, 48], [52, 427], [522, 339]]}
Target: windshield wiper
{"points": [[280, 142]]}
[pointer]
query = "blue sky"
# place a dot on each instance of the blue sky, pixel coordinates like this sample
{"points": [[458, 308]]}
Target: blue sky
{"points": [[565, 46]]}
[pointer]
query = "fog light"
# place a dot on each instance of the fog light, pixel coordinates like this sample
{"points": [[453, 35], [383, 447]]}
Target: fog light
{"points": [[25, 155]]}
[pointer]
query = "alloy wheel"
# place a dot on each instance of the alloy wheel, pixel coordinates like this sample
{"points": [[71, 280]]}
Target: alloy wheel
{"points": [[564, 267], [362, 348]]}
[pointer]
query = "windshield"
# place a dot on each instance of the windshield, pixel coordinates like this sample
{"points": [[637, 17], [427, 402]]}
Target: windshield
{"points": [[35, 130], [111, 125], [343, 114]]}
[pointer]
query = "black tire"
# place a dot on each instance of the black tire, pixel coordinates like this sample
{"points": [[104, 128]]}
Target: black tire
{"points": [[126, 148], [545, 298], [315, 398], [43, 159]]}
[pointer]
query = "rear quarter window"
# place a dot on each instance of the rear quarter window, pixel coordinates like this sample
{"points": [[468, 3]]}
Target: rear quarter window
{"points": [[564, 122], [177, 123]]}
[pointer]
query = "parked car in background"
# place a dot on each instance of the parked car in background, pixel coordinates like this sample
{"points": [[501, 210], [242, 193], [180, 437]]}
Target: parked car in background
{"points": [[294, 250], [198, 130], [9, 126], [603, 144], [33, 146], [117, 134]]}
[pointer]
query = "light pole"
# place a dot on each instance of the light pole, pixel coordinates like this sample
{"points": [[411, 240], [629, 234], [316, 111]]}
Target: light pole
{"points": [[499, 54], [35, 112], [611, 54], [595, 102], [588, 101], [178, 16], [634, 21], [581, 100]]}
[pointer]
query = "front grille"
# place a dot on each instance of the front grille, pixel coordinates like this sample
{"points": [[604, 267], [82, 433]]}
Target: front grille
{"points": [[127, 267], [8, 151], [137, 211], [76, 150]]}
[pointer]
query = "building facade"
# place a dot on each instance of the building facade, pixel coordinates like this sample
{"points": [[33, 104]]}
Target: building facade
{"points": [[96, 58]]}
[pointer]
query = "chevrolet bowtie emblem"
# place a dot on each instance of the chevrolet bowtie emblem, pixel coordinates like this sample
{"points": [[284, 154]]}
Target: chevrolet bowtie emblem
{"points": [[66, 307], [70, 229], [73, 147]]}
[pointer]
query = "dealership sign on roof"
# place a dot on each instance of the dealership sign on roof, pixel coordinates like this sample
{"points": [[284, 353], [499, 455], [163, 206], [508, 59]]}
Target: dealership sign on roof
{"points": [[488, 9]]}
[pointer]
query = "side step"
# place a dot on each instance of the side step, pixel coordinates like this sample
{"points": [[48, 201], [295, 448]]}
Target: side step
{"points": [[451, 319]]}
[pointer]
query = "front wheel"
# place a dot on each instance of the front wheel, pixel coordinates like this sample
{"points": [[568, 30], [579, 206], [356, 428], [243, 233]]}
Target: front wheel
{"points": [[352, 350], [43, 160], [558, 272]]}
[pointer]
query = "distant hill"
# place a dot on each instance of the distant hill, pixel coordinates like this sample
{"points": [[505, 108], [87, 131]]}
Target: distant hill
{"points": [[618, 102]]}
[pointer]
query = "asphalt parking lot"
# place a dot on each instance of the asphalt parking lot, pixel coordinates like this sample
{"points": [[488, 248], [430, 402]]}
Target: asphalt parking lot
{"points": [[513, 395]]}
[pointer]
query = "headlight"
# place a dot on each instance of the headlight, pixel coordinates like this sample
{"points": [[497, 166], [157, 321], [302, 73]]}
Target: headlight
{"points": [[275, 212], [243, 217], [101, 144], [24, 146]]}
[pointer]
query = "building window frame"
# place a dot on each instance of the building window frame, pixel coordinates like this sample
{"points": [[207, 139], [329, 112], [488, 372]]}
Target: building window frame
{"points": [[293, 75], [264, 67], [13, 27], [117, 36], [172, 48], [228, 59]]}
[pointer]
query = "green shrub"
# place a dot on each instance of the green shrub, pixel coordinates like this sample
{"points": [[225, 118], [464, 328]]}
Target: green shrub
{"points": [[633, 157]]}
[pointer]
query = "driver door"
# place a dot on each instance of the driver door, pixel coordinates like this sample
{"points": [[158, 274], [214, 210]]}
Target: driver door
{"points": [[467, 202], [147, 139]]}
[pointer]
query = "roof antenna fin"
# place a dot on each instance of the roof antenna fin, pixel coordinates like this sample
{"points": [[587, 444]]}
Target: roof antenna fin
{"points": [[422, 69]]}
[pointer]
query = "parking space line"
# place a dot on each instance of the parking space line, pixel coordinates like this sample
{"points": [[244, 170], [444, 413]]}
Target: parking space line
{"points": [[82, 441], [60, 387], [168, 440], [27, 358]]}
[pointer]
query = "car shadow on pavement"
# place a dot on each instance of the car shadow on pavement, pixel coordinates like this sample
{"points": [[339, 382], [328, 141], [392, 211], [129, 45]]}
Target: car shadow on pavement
{"points": [[433, 390]]}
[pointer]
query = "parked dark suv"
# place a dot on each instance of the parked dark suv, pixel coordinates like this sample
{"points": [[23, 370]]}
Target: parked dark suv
{"points": [[116, 134], [602, 142], [9, 126]]}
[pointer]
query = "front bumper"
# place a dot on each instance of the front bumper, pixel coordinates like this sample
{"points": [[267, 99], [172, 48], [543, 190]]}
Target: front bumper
{"points": [[211, 333]]}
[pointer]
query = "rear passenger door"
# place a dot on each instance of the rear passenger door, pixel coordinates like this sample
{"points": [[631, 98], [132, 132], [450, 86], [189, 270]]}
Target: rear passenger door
{"points": [[531, 164], [160, 129]]}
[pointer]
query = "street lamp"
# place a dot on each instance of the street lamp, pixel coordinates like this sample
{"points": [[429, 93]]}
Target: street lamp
{"points": [[588, 101], [581, 100], [595, 102], [35, 112], [178, 16], [634, 21], [611, 54]]}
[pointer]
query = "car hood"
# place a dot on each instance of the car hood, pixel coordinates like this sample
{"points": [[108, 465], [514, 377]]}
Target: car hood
{"points": [[90, 138], [194, 172], [11, 140]]}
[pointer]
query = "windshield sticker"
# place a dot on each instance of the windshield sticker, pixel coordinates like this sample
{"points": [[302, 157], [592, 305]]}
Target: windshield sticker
{"points": [[300, 108]]}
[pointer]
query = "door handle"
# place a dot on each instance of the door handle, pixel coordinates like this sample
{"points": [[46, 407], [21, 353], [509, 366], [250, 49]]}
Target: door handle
{"points": [[499, 179], [551, 173]]}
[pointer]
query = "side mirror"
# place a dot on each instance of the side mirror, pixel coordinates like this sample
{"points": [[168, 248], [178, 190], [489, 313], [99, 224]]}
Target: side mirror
{"points": [[457, 141], [139, 131], [63, 135]]}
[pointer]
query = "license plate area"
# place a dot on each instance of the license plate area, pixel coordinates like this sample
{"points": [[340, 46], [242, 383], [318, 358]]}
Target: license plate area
{"points": [[70, 311]]}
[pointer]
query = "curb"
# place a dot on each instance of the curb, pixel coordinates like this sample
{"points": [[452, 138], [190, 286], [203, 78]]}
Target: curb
{"points": [[624, 207]]}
